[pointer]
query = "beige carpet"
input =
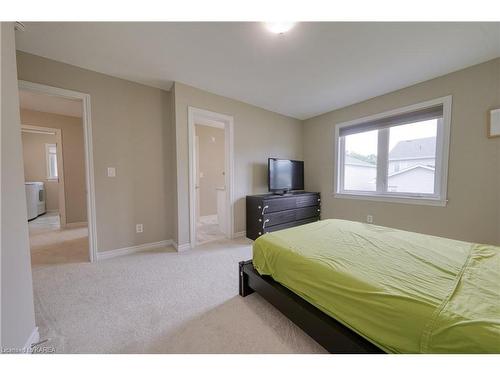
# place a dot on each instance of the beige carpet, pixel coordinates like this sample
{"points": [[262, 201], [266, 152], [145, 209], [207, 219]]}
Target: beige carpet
{"points": [[52, 245], [207, 229], [161, 302]]}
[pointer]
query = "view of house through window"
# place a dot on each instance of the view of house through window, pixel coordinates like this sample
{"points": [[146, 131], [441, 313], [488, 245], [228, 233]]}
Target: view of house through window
{"points": [[402, 155], [360, 161], [412, 157]]}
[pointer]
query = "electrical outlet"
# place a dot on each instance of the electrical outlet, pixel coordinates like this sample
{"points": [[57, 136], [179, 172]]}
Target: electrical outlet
{"points": [[369, 219], [139, 228], [111, 172]]}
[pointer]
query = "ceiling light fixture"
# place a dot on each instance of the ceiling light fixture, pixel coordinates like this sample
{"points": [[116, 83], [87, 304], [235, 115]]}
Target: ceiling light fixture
{"points": [[279, 27]]}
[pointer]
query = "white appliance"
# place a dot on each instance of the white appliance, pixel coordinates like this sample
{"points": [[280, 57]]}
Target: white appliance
{"points": [[41, 198], [35, 199]]}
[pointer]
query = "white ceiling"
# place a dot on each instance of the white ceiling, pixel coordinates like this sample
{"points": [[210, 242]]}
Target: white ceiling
{"points": [[312, 69], [51, 104]]}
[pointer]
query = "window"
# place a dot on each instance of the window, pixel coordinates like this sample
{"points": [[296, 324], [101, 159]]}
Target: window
{"points": [[398, 156], [51, 159]]}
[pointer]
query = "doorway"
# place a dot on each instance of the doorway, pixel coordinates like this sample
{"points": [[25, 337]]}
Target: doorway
{"points": [[57, 149], [210, 171]]}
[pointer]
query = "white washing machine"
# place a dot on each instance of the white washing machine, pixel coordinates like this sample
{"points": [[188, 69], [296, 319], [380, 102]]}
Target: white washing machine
{"points": [[35, 199], [41, 198]]}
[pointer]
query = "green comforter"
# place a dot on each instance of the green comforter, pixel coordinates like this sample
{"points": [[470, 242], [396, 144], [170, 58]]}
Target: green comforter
{"points": [[405, 292]]}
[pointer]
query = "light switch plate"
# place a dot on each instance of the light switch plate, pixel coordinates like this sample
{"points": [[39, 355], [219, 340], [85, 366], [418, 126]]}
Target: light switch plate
{"points": [[139, 228], [111, 172]]}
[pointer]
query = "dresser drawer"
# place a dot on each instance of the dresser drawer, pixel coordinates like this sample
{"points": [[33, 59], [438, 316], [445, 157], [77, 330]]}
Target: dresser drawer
{"points": [[274, 228], [288, 203], [273, 205], [275, 218], [270, 212], [307, 200]]}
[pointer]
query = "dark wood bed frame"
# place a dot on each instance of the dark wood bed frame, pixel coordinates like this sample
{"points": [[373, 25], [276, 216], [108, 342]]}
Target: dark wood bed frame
{"points": [[329, 333]]}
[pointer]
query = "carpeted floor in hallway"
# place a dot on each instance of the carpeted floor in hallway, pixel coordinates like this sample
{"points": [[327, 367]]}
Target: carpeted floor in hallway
{"points": [[160, 301], [50, 244]]}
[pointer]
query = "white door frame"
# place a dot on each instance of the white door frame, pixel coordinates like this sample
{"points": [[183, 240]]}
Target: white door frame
{"points": [[196, 159], [89, 160], [209, 118], [60, 164]]}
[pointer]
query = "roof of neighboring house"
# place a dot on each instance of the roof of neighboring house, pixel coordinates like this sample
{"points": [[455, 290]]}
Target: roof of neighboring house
{"points": [[351, 160], [415, 148], [425, 167]]}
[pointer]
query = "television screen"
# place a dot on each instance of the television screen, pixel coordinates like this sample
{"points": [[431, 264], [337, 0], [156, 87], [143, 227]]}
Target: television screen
{"points": [[285, 175]]}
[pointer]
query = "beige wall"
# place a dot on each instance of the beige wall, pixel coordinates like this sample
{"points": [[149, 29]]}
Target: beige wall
{"points": [[35, 165], [16, 305], [258, 134], [473, 209], [211, 165], [142, 131], [73, 159], [132, 132]]}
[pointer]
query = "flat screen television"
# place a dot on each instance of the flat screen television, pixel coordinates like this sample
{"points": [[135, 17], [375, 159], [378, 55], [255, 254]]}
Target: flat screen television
{"points": [[285, 175]]}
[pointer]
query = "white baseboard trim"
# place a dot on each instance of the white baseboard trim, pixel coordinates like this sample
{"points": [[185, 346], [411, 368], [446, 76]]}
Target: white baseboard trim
{"points": [[132, 249], [75, 225], [243, 233], [32, 339], [181, 248]]}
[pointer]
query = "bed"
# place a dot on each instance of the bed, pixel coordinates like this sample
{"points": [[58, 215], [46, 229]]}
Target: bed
{"points": [[361, 288]]}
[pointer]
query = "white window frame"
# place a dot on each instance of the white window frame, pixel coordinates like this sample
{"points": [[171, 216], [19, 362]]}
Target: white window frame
{"points": [[47, 161], [439, 198]]}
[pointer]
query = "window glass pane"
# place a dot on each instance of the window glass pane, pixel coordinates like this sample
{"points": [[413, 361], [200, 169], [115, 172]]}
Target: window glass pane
{"points": [[412, 157], [360, 161], [53, 165]]}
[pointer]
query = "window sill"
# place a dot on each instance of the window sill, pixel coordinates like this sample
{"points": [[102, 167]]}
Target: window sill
{"points": [[52, 179], [394, 199]]}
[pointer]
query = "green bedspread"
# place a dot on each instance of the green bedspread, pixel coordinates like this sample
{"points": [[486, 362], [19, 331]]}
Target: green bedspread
{"points": [[405, 292]]}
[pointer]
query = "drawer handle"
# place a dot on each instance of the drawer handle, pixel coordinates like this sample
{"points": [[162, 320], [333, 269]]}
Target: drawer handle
{"points": [[319, 210], [264, 225], [264, 209]]}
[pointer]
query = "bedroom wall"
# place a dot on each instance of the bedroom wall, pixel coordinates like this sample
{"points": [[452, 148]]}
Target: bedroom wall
{"points": [[258, 134], [16, 305], [73, 158], [473, 210], [131, 131]]}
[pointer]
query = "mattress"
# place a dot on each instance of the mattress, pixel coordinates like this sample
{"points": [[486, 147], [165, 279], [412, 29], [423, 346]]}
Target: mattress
{"points": [[404, 292]]}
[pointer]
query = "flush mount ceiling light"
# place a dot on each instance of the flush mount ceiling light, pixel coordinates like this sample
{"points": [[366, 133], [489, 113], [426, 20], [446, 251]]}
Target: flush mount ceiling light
{"points": [[279, 27]]}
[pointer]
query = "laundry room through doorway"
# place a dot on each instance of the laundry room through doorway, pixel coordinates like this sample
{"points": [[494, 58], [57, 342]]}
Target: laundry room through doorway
{"points": [[54, 171]]}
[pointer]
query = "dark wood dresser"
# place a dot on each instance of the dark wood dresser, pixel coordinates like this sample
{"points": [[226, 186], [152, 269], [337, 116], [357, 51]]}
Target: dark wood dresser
{"points": [[271, 212]]}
